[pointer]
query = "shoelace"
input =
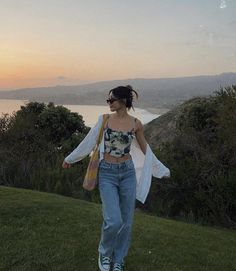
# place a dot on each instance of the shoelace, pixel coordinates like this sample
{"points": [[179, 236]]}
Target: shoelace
{"points": [[106, 260], [117, 267]]}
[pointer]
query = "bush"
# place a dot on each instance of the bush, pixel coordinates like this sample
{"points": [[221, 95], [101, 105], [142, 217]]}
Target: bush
{"points": [[202, 160], [33, 144]]}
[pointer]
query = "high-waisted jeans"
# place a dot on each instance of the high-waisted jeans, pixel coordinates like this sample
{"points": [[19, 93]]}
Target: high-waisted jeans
{"points": [[117, 186]]}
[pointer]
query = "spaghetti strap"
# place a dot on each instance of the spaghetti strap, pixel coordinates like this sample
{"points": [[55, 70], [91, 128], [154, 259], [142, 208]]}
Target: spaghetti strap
{"points": [[107, 127], [133, 129]]}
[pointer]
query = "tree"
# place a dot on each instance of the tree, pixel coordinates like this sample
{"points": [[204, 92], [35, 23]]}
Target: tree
{"points": [[33, 144], [202, 160]]}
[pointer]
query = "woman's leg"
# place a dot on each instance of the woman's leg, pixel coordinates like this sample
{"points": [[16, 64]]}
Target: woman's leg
{"points": [[127, 197], [108, 184]]}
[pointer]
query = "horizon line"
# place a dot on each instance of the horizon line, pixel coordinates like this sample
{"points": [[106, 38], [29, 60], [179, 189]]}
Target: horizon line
{"points": [[111, 80]]}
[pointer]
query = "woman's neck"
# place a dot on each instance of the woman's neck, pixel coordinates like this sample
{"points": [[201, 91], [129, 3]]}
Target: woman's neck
{"points": [[121, 113]]}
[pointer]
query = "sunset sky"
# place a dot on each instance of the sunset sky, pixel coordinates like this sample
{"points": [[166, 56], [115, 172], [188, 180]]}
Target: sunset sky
{"points": [[68, 42]]}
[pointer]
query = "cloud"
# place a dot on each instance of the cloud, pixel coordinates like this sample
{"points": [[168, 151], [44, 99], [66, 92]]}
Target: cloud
{"points": [[223, 4]]}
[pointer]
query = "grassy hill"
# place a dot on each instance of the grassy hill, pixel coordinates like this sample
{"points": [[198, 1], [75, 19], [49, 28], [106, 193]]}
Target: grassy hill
{"points": [[41, 231]]}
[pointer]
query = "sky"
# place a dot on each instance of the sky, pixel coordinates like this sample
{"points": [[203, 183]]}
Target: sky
{"points": [[70, 42]]}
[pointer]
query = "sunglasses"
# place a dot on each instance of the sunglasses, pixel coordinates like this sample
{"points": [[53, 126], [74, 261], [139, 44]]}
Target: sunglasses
{"points": [[111, 100]]}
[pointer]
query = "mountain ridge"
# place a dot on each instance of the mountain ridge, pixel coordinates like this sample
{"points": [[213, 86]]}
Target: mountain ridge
{"points": [[153, 92]]}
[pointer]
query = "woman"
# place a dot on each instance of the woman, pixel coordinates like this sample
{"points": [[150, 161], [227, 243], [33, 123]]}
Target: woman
{"points": [[126, 167]]}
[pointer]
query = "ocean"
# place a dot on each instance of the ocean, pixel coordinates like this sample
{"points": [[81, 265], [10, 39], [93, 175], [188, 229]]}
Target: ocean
{"points": [[90, 113]]}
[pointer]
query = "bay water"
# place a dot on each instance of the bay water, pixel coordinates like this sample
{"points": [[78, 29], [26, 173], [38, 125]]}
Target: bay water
{"points": [[90, 113]]}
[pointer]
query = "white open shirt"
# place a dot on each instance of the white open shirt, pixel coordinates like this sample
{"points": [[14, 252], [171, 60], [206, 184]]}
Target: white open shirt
{"points": [[145, 165]]}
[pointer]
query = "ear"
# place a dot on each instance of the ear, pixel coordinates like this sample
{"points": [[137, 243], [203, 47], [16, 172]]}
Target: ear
{"points": [[124, 101]]}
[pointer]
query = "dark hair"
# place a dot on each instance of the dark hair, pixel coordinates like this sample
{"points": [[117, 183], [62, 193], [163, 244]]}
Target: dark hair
{"points": [[124, 92]]}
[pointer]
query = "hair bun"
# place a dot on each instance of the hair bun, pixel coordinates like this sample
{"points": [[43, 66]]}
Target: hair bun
{"points": [[125, 92], [129, 87]]}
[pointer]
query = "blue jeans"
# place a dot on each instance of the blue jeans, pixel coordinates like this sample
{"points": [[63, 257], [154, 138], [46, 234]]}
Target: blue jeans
{"points": [[117, 186]]}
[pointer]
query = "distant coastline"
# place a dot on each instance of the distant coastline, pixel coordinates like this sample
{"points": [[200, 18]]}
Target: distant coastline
{"points": [[90, 113], [157, 95], [158, 111], [152, 110]]}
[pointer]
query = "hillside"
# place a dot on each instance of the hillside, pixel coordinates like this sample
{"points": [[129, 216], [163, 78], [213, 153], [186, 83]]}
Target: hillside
{"points": [[163, 128], [41, 231], [162, 93]]}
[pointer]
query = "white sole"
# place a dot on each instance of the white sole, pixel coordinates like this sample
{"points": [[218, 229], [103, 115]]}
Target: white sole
{"points": [[100, 266]]}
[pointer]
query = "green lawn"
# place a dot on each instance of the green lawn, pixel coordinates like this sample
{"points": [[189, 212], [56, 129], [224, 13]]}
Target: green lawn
{"points": [[42, 231]]}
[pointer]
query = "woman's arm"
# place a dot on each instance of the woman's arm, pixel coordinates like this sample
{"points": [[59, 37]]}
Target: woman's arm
{"points": [[85, 147], [140, 136]]}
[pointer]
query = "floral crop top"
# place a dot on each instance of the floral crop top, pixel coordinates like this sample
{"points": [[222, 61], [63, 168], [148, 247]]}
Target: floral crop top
{"points": [[117, 143]]}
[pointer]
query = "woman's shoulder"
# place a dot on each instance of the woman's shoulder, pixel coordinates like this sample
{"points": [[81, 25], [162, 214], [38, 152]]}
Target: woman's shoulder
{"points": [[101, 116], [138, 124], [136, 120], [104, 115], [100, 119]]}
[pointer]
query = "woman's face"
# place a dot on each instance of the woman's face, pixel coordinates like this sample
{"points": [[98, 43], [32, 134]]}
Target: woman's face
{"points": [[115, 103]]}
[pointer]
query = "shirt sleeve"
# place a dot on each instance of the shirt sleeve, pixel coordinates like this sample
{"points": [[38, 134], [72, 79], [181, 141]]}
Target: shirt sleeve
{"points": [[86, 145], [159, 170]]}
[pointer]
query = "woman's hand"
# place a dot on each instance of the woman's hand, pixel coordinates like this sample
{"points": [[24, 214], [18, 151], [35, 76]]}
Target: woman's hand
{"points": [[65, 165]]}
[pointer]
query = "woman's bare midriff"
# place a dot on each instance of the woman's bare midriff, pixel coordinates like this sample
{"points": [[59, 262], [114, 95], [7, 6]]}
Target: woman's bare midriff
{"points": [[111, 159]]}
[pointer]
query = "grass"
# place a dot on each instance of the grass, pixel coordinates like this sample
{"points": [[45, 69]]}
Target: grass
{"points": [[42, 231]]}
